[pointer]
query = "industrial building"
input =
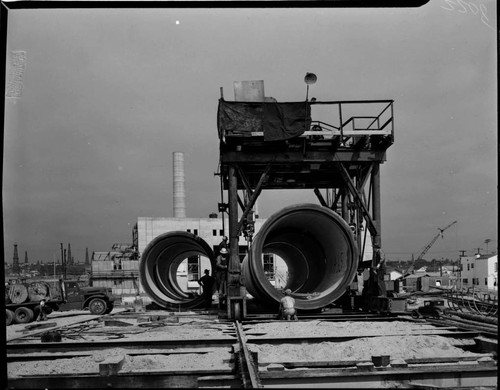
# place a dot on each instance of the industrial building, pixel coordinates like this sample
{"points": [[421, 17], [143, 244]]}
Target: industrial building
{"points": [[480, 272]]}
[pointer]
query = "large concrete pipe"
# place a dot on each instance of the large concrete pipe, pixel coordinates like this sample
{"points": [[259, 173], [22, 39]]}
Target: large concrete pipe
{"points": [[318, 249], [160, 262]]}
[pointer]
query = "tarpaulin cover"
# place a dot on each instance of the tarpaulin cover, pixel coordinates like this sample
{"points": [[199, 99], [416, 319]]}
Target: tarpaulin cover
{"points": [[278, 121]]}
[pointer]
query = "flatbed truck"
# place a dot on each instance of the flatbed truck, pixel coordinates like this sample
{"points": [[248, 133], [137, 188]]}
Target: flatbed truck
{"points": [[22, 299]]}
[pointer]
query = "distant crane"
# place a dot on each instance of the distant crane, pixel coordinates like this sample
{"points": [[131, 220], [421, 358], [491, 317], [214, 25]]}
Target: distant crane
{"points": [[432, 242]]}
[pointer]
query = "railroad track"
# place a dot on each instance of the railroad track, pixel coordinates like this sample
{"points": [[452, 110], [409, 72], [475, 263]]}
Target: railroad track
{"points": [[242, 365]]}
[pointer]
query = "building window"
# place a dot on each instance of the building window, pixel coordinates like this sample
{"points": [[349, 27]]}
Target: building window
{"points": [[221, 232], [472, 265], [117, 264], [468, 267], [116, 282], [214, 232], [193, 269], [485, 281], [195, 232], [466, 281], [188, 230], [268, 265]]}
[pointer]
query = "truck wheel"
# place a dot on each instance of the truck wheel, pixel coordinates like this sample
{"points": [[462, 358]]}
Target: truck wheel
{"points": [[23, 315], [97, 306], [414, 314], [9, 317], [436, 315]]}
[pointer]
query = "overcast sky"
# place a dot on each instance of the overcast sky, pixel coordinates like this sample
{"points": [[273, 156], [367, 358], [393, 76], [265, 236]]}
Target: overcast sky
{"points": [[109, 94]]}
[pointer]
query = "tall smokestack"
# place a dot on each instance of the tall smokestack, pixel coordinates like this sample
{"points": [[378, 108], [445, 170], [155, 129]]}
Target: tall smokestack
{"points": [[179, 192]]}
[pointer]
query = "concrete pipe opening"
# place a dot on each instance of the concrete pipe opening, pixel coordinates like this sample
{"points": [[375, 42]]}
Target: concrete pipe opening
{"points": [[319, 252], [161, 261]]}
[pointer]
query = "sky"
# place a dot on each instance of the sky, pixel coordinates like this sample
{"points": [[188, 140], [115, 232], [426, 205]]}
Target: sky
{"points": [[105, 96]]}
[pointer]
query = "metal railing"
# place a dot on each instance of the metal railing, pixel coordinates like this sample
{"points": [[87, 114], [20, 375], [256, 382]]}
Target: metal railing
{"points": [[354, 118]]}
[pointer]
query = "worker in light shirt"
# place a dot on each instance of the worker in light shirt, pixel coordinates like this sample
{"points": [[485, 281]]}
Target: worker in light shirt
{"points": [[287, 306]]}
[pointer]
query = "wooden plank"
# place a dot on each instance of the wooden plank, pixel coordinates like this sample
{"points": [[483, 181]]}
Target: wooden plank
{"points": [[319, 363], [382, 371], [219, 381], [348, 363], [446, 359], [111, 366], [487, 344]]}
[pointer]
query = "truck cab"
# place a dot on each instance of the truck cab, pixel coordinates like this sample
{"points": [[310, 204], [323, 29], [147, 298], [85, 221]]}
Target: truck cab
{"points": [[99, 300]]}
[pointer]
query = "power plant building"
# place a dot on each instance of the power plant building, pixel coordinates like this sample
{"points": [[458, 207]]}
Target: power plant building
{"points": [[119, 268]]}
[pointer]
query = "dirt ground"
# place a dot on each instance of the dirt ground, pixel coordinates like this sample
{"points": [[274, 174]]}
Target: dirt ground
{"points": [[362, 349], [316, 328], [399, 339], [219, 359]]}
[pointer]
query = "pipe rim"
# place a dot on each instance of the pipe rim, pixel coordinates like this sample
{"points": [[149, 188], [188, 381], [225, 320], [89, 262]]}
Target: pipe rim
{"points": [[158, 268]]}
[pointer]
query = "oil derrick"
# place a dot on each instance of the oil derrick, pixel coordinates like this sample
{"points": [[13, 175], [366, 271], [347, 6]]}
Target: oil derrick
{"points": [[70, 258], [15, 261]]}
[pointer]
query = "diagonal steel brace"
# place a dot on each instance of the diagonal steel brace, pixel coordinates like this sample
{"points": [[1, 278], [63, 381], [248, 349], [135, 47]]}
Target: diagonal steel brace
{"points": [[354, 191]]}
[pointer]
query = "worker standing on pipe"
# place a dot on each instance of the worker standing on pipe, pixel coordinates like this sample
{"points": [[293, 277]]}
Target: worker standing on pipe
{"points": [[287, 306], [221, 270]]}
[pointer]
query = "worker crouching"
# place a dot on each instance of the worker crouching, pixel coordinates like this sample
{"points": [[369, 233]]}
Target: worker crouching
{"points": [[287, 307]]}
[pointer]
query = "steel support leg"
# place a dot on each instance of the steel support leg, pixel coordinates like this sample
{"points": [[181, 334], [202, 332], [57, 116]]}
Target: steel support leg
{"points": [[234, 267]]}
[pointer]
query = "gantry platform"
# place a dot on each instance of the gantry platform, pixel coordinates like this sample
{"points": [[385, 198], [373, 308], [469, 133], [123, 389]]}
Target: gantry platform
{"points": [[309, 153], [335, 146]]}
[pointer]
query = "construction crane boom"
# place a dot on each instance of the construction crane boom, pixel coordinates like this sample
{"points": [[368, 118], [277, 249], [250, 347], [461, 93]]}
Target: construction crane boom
{"points": [[434, 239]]}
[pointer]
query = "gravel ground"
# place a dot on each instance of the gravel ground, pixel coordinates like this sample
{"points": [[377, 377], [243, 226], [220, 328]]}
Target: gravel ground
{"points": [[397, 347], [399, 339], [219, 359], [348, 328]]}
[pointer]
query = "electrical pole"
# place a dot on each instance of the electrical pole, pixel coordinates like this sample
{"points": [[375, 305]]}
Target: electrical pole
{"points": [[487, 241]]}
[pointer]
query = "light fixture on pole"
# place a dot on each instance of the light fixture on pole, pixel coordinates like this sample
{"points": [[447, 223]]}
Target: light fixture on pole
{"points": [[309, 79]]}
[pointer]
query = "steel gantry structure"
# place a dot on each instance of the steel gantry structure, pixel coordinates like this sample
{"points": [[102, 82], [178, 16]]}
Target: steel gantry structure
{"points": [[269, 145]]}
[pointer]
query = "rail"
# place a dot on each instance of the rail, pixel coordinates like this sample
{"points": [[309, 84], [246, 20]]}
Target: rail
{"points": [[247, 365]]}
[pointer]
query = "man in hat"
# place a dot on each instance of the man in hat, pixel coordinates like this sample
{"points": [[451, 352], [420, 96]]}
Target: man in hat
{"points": [[221, 263], [287, 306], [222, 244], [207, 283]]}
